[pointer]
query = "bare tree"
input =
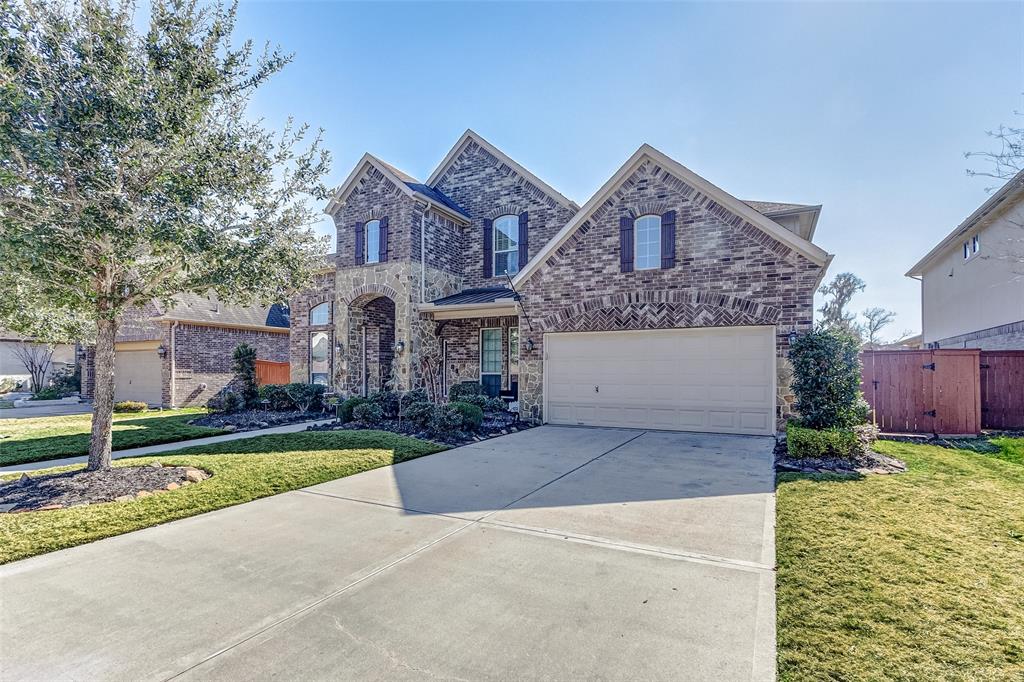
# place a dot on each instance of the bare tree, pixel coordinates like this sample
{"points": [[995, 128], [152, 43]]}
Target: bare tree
{"points": [[838, 294], [1006, 159], [36, 358], [877, 319]]}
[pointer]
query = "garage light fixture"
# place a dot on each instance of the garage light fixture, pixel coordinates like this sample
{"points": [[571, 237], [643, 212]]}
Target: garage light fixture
{"points": [[399, 347], [161, 351], [529, 345]]}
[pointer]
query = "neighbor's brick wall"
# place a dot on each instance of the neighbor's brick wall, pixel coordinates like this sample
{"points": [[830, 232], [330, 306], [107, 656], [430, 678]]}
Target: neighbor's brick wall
{"points": [[727, 273], [203, 355], [1004, 337], [486, 188]]}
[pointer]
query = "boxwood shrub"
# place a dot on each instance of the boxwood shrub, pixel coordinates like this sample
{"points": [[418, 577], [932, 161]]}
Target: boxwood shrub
{"points": [[805, 443], [463, 390], [419, 413], [472, 415], [447, 419], [346, 406], [368, 413]]}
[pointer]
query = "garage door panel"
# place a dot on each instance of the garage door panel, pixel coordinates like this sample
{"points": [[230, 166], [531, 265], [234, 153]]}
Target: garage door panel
{"points": [[137, 376], [715, 379]]}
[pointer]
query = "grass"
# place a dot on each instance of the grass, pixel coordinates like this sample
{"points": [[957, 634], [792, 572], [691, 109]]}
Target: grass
{"points": [[38, 439], [916, 576], [243, 470]]}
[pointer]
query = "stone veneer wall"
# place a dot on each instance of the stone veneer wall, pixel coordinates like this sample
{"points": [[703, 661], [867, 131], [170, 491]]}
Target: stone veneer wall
{"points": [[487, 188], [727, 273]]}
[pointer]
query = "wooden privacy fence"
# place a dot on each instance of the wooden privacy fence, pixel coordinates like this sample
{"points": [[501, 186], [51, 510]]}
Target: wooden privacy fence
{"points": [[947, 392], [269, 372]]}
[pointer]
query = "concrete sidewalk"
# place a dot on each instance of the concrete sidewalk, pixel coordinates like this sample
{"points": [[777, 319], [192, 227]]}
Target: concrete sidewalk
{"points": [[164, 447], [555, 553]]}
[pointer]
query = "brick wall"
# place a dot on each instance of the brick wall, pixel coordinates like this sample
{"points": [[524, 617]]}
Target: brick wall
{"points": [[202, 355], [373, 198], [463, 337], [487, 188], [727, 273], [1004, 337], [299, 307]]}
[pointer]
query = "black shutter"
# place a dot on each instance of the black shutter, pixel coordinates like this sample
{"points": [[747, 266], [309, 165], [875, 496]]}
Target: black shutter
{"points": [[668, 240], [524, 239], [360, 231], [488, 249], [626, 244], [384, 239]]}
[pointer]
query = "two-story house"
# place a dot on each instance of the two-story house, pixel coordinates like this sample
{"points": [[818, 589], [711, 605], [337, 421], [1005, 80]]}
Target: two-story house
{"points": [[663, 302], [972, 282]]}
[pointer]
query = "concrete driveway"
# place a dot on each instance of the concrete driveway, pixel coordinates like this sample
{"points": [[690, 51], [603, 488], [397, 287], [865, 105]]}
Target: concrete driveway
{"points": [[554, 553]]}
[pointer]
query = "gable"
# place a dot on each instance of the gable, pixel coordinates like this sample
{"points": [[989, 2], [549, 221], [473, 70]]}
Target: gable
{"points": [[696, 191]]}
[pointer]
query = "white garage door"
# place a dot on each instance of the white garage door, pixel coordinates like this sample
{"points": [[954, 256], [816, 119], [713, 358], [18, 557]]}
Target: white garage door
{"points": [[137, 376], [712, 379]]}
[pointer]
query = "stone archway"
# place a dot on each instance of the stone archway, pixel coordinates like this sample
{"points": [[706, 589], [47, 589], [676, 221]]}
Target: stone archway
{"points": [[370, 351]]}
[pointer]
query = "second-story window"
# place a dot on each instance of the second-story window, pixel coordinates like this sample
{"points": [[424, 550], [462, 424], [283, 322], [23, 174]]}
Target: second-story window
{"points": [[372, 254], [506, 245], [320, 314], [647, 249]]}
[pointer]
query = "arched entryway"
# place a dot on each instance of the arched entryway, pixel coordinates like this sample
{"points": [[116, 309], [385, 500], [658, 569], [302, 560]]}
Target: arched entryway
{"points": [[371, 356]]}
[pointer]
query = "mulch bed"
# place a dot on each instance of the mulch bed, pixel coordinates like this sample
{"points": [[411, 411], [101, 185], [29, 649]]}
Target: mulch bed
{"points": [[251, 420], [868, 463], [73, 488], [494, 424]]}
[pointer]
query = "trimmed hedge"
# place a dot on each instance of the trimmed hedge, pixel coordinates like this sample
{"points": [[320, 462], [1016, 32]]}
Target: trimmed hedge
{"points": [[826, 379], [346, 406], [368, 413], [130, 406], [463, 390], [419, 413], [472, 415], [805, 443]]}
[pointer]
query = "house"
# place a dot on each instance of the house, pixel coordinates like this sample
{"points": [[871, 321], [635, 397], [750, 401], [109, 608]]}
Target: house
{"points": [[13, 373], [663, 302], [972, 282], [181, 355]]}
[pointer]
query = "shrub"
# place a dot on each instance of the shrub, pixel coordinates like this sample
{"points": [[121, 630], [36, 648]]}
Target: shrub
{"points": [[277, 397], [478, 400], [419, 413], [472, 415], [495, 405], [447, 419], [67, 380], [465, 389], [231, 402], [307, 397], [849, 443], [130, 406], [7, 384], [368, 413], [416, 395], [387, 401], [346, 407], [48, 393], [243, 364], [826, 379]]}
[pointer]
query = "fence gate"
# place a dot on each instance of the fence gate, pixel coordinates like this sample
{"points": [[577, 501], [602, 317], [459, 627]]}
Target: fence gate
{"points": [[269, 372], [1002, 389], [923, 391]]}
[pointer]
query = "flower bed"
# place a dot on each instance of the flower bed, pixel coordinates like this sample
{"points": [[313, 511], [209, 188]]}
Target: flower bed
{"points": [[251, 420]]}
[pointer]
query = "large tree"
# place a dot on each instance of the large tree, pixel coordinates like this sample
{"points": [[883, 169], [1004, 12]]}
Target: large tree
{"points": [[130, 172], [875, 320], [838, 294]]}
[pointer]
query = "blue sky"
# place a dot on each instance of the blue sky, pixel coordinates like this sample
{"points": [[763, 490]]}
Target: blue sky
{"points": [[865, 108]]}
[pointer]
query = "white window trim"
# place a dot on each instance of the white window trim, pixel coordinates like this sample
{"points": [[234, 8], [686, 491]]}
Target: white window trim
{"points": [[494, 246], [310, 356], [366, 241], [975, 245], [512, 347], [480, 354], [636, 237], [318, 305]]}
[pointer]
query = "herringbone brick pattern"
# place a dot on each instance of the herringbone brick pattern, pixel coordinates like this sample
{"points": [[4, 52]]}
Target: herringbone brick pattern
{"points": [[657, 316]]}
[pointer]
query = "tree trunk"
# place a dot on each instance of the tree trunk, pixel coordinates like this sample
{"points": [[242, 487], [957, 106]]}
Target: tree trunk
{"points": [[103, 396]]}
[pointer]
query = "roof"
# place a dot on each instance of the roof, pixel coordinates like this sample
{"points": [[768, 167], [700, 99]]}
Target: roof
{"points": [[482, 295], [468, 136], [770, 208], [210, 310], [1012, 191], [405, 182], [811, 251]]}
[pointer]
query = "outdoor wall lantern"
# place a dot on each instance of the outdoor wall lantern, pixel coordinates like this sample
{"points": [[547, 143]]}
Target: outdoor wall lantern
{"points": [[340, 347], [792, 337], [161, 351], [529, 345], [399, 346]]}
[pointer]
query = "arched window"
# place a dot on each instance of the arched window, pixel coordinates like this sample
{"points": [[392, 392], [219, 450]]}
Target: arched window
{"points": [[506, 245], [320, 314], [372, 242], [647, 242]]}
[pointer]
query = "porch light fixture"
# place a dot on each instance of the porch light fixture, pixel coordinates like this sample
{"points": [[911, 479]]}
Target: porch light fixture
{"points": [[161, 351], [792, 337], [529, 345], [399, 346]]}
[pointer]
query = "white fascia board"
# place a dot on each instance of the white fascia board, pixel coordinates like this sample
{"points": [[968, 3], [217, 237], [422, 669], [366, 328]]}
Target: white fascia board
{"points": [[340, 194]]}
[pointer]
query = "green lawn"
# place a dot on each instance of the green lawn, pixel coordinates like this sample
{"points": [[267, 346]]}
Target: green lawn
{"points": [[243, 470], [41, 438], [916, 576]]}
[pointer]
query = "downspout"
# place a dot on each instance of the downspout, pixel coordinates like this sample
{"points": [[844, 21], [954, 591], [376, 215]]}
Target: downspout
{"points": [[174, 327], [423, 253]]}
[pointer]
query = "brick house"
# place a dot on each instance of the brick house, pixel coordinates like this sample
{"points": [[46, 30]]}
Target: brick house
{"points": [[180, 355], [663, 302]]}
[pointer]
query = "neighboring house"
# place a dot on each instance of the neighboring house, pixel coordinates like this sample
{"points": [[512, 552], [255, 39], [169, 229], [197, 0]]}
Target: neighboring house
{"points": [[11, 366], [972, 282], [663, 302], [181, 355]]}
